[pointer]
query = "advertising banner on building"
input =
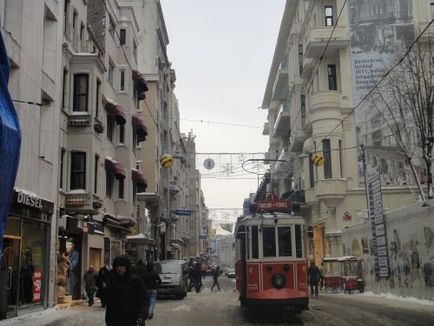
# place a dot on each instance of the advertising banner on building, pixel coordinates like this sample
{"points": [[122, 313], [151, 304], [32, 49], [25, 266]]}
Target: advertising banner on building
{"points": [[380, 32]]}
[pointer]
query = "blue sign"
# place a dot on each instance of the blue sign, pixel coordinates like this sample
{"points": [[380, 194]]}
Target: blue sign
{"points": [[183, 212], [10, 142]]}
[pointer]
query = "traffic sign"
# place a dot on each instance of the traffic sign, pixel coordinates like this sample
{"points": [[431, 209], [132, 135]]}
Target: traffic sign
{"points": [[183, 212]]}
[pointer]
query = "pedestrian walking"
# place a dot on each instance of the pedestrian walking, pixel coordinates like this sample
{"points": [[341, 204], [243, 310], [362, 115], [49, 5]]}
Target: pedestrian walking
{"points": [[190, 277], [90, 287], [152, 282], [314, 278], [101, 283], [215, 278], [125, 296], [321, 270], [140, 269]]}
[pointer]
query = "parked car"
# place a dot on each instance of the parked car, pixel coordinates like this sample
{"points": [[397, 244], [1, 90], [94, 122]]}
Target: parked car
{"points": [[230, 272], [174, 278]]}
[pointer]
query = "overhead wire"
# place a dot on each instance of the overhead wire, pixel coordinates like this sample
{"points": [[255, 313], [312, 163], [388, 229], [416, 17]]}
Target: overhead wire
{"points": [[321, 59], [397, 63]]}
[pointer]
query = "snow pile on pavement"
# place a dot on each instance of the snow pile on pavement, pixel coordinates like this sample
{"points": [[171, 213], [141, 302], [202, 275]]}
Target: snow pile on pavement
{"points": [[389, 295], [182, 308]]}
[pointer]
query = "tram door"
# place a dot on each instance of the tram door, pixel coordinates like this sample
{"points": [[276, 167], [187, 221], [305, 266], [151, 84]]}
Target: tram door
{"points": [[9, 277], [243, 247]]}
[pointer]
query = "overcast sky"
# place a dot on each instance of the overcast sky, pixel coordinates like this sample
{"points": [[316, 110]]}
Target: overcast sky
{"points": [[221, 51]]}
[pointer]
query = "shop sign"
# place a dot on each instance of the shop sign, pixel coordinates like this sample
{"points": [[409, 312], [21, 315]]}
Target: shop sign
{"points": [[37, 284], [28, 200]]}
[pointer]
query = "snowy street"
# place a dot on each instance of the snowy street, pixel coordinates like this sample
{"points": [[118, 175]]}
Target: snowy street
{"points": [[222, 308]]}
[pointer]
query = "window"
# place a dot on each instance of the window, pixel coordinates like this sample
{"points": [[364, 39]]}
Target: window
{"points": [[109, 179], [97, 97], [340, 158], [248, 242], [112, 26], [78, 170], [64, 87], [110, 72], [121, 134], [298, 242], [121, 188], [123, 36], [327, 159], [66, 15], [300, 58], [303, 110], [81, 85], [269, 241], [122, 81], [331, 73], [95, 177], [328, 13], [255, 251], [81, 32], [311, 174], [285, 244], [110, 127], [74, 20], [432, 10], [62, 164], [135, 50]]}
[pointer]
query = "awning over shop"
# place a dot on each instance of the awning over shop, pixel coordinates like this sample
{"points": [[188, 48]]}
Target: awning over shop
{"points": [[126, 221], [116, 110], [115, 167], [142, 85], [113, 222], [141, 239], [138, 177], [141, 129]]}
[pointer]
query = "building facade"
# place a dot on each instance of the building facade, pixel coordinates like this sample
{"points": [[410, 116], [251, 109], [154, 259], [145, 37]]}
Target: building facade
{"points": [[94, 91], [315, 82]]}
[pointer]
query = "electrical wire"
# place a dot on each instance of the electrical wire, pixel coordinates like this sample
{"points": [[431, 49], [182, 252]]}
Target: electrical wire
{"points": [[28, 102], [222, 123], [321, 59], [381, 79]]}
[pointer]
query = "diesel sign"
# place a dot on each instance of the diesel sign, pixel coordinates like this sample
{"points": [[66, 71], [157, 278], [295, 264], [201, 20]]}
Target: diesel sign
{"points": [[28, 200]]}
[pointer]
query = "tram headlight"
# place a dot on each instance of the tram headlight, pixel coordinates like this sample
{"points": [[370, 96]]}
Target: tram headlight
{"points": [[278, 280]]}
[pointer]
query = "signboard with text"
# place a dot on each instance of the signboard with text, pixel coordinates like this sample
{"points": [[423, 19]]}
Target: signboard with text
{"points": [[183, 212], [37, 285], [378, 226]]}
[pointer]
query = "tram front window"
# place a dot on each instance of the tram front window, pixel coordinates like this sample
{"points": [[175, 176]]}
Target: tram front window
{"points": [[285, 249], [255, 251], [269, 241]]}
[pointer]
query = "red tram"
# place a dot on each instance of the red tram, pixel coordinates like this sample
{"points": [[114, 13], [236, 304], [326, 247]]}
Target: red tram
{"points": [[271, 264]]}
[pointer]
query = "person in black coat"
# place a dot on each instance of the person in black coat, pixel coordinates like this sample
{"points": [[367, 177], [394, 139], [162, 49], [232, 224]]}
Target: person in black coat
{"points": [[152, 283], [101, 283], [125, 296], [314, 278]]}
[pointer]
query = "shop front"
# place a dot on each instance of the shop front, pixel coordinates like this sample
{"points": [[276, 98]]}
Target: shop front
{"points": [[24, 274]]}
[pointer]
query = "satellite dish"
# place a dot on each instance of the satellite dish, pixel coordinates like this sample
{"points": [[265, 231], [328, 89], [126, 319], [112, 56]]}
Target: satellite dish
{"points": [[209, 164]]}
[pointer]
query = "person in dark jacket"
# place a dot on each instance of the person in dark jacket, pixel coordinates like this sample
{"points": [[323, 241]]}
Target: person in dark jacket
{"points": [[89, 279], [125, 296], [152, 283], [215, 277], [101, 283], [140, 270], [314, 278]]}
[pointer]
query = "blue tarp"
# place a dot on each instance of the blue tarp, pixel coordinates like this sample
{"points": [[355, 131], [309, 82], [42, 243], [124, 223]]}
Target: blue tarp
{"points": [[10, 142]]}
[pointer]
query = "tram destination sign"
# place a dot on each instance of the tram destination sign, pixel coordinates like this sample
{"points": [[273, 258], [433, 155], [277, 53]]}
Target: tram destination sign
{"points": [[273, 203]]}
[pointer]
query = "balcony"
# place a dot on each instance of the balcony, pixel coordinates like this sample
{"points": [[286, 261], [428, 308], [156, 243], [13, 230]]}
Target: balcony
{"points": [[325, 105], [280, 88], [331, 191], [81, 201], [298, 137], [282, 126], [308, 66], [284, 163], [265, 129], [79, 119], [316, 38]]}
